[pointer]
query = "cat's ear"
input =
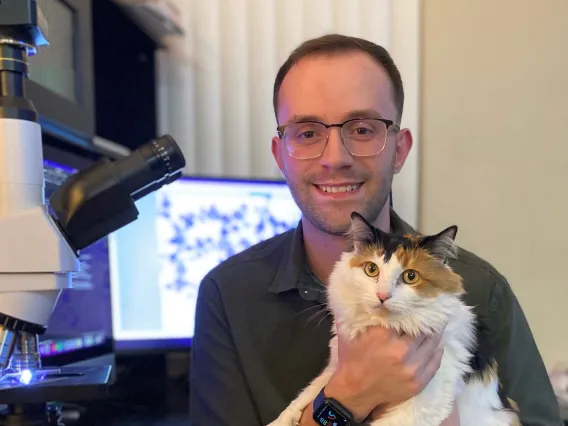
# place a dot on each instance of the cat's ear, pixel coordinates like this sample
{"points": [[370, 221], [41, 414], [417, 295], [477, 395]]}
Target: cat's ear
{"points": [[361, 232], [441, 245]]}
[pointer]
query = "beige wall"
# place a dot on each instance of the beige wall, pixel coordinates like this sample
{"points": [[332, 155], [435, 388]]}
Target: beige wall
{"points": [[494, 153]]}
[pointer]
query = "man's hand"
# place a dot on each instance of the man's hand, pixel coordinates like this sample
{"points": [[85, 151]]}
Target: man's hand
{"points": [[380, 367]]}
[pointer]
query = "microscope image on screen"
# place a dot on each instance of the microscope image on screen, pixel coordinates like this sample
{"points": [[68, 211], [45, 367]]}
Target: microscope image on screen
{"points": [[201, 225], [196, 233], [186, 229]]}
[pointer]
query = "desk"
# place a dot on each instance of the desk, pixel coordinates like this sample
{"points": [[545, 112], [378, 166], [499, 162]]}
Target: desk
{"points": [[101, 415], [166, 405]]}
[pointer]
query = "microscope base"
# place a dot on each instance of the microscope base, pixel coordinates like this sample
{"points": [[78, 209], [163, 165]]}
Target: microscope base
{"points": [[28, 404]]}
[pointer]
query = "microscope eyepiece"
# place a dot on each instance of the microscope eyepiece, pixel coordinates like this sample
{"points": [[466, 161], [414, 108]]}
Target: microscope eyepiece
{"points": [[151, 166], [163, 155], [100, 199]]}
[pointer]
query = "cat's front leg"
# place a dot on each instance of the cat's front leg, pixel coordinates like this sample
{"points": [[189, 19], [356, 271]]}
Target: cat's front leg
{"points": [[288, 417], [293, 413]]}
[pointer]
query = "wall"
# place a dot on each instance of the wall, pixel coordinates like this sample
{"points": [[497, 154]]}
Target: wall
{"points": [[215, 86], [494, 135]]}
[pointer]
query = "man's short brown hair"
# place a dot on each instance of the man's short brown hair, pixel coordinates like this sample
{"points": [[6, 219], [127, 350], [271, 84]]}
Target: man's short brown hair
{"points": [[337, 43]]}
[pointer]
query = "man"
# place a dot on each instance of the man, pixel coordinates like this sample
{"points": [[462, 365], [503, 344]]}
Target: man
{"points": [[261, 331]]}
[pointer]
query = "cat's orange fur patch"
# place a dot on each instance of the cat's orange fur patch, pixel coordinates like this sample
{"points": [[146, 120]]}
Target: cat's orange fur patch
{"points": [[515, 408], [490, 373], [359, 259], [412, 237], [514, 405], [432, 279]]}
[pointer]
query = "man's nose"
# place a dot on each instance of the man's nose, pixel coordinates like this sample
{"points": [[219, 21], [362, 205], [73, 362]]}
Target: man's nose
{"points": [[335, 155]]}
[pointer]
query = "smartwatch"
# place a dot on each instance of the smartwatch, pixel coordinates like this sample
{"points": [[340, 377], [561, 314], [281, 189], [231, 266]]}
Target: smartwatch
{"points": [[330, 412]]}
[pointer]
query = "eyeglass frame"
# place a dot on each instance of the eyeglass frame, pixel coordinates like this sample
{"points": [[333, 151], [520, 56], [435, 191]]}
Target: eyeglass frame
{"points": [[386, 122]]}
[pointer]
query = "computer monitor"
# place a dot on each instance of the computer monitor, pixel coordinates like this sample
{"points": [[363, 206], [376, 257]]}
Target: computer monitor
{"points": [[80, 328], [183, 231]]}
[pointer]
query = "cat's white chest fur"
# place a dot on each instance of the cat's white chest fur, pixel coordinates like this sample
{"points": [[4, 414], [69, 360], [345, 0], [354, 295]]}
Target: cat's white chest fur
{"points": [[435, 403]]}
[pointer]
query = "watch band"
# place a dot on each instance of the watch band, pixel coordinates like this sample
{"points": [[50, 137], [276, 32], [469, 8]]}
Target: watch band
{"points": [[320, 399]]}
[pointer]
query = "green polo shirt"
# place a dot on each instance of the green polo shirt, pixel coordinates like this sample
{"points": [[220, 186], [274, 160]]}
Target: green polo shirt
{"points": [[262, 333]]}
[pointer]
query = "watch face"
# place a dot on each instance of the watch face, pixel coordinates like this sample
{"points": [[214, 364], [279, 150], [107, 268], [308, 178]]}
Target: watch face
{"points": [[328, 416]]}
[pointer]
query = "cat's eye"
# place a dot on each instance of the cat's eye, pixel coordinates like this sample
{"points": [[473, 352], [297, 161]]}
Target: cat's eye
{"points": [[371, 269], [410, 276]]}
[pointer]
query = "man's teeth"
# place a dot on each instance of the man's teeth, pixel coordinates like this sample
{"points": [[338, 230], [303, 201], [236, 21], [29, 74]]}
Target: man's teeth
{"points": [[346, 188]]}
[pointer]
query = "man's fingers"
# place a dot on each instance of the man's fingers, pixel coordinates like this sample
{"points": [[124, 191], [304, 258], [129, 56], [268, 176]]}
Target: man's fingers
{"points": [[425, 350], [432, 365], [431, 343], [413, 343]]}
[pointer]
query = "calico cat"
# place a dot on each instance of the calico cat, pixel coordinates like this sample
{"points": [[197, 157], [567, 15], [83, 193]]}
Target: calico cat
{"points": [[421, 294]]}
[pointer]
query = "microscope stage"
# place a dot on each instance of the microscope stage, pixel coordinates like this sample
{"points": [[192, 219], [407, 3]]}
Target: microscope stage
{"points": [[63, 384]]}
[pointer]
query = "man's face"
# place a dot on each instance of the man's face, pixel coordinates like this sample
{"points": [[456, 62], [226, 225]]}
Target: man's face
{"points": [[331, 88]]}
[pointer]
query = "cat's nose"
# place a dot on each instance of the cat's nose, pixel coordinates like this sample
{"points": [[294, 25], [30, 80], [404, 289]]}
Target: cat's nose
{"points": [[383, 296]]}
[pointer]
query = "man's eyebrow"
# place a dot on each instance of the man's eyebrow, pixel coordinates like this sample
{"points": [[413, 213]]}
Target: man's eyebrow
{"points": [[302, 118], [361, 113]]}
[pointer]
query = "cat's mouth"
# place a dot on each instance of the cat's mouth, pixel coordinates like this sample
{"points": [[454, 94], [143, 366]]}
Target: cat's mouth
{"points": [[382, 308], [341, 189]]}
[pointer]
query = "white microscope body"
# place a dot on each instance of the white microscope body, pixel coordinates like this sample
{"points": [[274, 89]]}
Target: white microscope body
{"points": [[36, 262], [39, 248]]}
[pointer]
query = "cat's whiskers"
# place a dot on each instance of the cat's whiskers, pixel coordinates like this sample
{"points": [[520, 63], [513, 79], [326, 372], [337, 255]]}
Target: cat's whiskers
{"points": [[318, 306], [324, 314]]}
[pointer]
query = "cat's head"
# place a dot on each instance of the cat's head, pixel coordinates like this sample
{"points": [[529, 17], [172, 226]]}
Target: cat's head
{"points": [[393, 277]]}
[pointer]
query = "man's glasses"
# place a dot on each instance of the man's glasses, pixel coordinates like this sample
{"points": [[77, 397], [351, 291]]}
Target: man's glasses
{"points": [[362, 137]]}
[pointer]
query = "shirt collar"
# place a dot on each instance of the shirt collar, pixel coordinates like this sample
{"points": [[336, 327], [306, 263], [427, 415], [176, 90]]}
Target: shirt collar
{"points": [[293, 272]]}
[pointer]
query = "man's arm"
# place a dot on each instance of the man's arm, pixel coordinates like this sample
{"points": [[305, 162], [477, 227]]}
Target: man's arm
{"points": [[219, 395], [521, 369]]}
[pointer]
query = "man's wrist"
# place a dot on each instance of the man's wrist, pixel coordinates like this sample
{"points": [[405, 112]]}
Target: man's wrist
{"points": [[342, 393], [307, 417]]}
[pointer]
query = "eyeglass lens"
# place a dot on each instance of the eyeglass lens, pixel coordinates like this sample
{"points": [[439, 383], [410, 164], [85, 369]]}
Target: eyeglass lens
{"points": [[361, 137]]}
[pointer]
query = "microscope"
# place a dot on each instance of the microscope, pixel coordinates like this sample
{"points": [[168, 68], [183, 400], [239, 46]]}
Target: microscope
{"points": [[40, 242]]}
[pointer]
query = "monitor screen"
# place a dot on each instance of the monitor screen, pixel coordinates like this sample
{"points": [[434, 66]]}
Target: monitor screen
{"points": [[81, 324], [183, 231]]}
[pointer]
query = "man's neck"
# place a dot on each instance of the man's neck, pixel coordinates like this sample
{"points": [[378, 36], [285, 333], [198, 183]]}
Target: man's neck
{"points": [[324, 250]]}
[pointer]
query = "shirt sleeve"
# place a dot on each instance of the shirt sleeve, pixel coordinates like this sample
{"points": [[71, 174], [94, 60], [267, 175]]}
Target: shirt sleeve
{"points": [[521, 369], [219, 395]]}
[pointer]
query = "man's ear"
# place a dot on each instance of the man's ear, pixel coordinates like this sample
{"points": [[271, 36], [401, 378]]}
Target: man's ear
{"points": [[277, 154], [403, 146]]}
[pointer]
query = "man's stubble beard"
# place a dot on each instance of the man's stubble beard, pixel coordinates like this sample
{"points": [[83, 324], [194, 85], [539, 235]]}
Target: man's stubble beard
{"points": [[370, 210]]}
